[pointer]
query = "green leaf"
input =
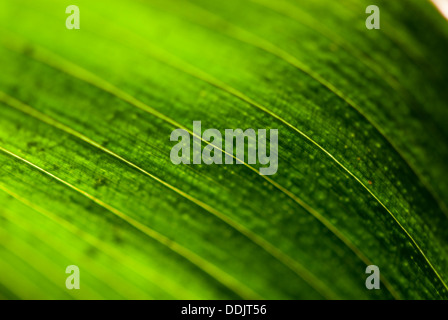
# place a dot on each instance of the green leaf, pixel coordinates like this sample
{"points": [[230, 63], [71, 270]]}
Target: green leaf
{"points": [[86, 177]]}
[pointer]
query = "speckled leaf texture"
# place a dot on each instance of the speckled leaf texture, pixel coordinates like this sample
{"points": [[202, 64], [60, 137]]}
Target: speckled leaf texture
{"points": [[86, 177]]}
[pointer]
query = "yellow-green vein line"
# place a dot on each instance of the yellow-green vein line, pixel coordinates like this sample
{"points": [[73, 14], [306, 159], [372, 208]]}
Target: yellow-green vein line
{"points": [[265, 45], [142, 270]]}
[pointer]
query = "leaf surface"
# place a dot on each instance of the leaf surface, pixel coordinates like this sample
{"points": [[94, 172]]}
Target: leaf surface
{"points": [[86, 177]]}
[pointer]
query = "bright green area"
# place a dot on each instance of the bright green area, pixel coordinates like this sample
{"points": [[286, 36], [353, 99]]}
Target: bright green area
{"points": [[86, 177]]}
